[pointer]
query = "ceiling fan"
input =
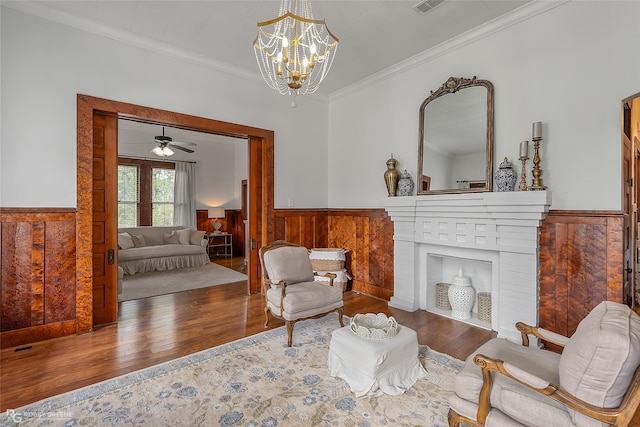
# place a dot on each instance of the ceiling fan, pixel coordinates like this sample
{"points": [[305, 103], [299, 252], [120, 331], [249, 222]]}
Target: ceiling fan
{"points": [[165, 142]]}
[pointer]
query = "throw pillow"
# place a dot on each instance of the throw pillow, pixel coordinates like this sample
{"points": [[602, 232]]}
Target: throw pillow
{"points": [[290, 264], [138, 240], [125, 241], [171, 239], [184, 235], [196, 237]]}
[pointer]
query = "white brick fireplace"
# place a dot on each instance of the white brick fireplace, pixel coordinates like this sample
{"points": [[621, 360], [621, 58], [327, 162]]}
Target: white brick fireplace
{"points": [[492, 236]]}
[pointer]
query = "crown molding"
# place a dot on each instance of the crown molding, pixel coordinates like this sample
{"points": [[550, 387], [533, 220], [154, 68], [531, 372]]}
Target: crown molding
{"points": [[83, 24], [510, 19]]}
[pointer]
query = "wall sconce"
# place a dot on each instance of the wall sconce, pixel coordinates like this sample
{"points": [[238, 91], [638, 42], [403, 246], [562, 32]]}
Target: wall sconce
{"points": [[216, 213]]}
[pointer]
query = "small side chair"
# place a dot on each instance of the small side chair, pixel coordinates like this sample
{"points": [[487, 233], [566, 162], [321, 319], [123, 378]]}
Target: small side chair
{"points": [[289, 290]]}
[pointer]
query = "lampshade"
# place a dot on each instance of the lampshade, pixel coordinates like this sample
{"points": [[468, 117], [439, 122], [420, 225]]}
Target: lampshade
{"points": [[294, 51], [217, 212], [163, 151]]}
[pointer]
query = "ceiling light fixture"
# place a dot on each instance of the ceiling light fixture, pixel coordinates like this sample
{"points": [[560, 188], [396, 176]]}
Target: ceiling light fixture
{"points": [[294, 51], [163, 151]]}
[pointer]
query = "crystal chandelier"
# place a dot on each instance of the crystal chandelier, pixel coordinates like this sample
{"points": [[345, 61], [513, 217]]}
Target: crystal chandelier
{"points": [[294, 51]]}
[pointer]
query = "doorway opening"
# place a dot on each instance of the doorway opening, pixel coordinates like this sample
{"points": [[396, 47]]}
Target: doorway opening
{"points": [[100, 308]]}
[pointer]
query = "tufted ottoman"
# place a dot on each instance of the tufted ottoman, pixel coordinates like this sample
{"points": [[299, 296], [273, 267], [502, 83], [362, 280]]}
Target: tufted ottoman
{"points": [[372, 367]]}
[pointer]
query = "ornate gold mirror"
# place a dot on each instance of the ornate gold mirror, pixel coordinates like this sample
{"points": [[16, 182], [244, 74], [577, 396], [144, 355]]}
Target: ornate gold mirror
{"points": [[455, 142]]}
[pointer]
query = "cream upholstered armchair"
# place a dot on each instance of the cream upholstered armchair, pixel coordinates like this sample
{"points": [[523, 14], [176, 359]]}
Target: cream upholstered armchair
{"points": [[595, 381], [289, 290]]}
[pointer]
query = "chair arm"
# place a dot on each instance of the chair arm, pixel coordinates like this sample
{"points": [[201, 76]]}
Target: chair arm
{"points": [[283, 293], [331, 276], [552, 337], [488, 365]]}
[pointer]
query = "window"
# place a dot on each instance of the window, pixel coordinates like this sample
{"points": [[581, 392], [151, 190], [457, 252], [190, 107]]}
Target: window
{"points": [[162, 196], [145, 192], [128, 201]]}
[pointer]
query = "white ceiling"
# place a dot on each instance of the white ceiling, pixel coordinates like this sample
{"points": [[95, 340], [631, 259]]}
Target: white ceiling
{"points": [[374, 35]]}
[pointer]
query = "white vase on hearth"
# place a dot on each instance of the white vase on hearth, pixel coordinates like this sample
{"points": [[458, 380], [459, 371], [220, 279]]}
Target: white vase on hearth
{"points": [[461, 296]]}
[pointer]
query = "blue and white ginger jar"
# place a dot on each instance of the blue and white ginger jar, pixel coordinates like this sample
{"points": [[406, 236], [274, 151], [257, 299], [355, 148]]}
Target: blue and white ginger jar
{"points": [[505, 176]]}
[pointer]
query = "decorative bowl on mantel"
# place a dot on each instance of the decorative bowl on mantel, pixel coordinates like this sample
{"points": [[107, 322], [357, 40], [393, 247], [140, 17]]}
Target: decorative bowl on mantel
{"points": [[374, 326]]}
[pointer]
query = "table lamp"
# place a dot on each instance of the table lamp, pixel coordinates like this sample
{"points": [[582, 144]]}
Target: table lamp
{"points": [[216, 213]]}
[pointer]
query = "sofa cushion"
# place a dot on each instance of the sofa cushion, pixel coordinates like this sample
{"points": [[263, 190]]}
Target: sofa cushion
{"points": [[125, 241], [138, 241], [153, 235], [171, 239], [306, 297], [196, 237], [599, 361], [290, 264], [184, 236]]}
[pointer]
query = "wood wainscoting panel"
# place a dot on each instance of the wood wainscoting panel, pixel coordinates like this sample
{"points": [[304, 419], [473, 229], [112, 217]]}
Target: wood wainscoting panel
{"points": [[235, 223], [305, 227], [581, 263], [367, 235], [38, 274]]}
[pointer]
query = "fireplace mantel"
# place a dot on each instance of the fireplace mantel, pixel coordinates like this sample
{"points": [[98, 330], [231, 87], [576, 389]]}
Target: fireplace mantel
{"points": [[497, 228]]}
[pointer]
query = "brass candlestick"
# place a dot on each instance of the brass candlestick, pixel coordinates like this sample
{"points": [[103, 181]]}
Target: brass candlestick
{"points": [[537, 171], [523, 174]]}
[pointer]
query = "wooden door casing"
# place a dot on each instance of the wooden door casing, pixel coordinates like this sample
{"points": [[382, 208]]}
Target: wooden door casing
{"points": [[104, 230], [261, 214], [628, 209]]}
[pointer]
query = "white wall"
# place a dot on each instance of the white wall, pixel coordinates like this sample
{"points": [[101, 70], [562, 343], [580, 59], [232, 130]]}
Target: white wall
{"points": [[45, 64], [569, 67], [218, 175]]}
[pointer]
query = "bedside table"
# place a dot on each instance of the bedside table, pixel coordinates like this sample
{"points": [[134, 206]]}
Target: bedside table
{"points": [[220, 244]]}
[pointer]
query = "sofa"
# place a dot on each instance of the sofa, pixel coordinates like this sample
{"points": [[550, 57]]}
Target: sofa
{"points": [[144, 249]]}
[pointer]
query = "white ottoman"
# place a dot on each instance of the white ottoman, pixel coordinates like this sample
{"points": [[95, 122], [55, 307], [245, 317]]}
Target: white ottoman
{"points": [[372, 367]]}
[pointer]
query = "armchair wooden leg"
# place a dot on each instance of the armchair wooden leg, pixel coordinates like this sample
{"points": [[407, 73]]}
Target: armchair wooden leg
{"points": [[289, 325], [340, 313], [266, 317], [456, 419]]}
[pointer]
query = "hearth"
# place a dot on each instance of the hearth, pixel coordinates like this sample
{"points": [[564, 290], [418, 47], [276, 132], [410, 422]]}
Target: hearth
{"points": [[492, 236]]}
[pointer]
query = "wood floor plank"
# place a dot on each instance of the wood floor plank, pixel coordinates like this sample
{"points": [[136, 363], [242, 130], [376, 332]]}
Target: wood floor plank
{"points": [[158, 329]]}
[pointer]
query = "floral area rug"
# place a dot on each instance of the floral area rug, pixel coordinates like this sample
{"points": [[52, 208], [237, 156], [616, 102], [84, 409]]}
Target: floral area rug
{"points": [[256, 381]]}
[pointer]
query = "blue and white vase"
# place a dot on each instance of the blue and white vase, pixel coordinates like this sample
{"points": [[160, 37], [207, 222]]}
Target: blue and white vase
{"points": [[505, 176], [405, 184]]}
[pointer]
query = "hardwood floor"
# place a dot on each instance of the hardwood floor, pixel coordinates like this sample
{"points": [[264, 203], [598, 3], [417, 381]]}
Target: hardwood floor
{"points": [[154, 330]]}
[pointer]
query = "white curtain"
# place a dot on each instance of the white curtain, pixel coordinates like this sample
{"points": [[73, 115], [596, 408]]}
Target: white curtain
{"points": [[184, 210]]}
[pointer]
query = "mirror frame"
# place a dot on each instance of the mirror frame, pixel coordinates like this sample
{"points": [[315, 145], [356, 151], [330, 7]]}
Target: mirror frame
{"points": [[452, 85]]}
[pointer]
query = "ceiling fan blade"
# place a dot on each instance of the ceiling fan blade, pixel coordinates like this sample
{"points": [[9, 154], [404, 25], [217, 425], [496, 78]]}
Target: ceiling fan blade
{"points": [[181, 148], [190, 144]]}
